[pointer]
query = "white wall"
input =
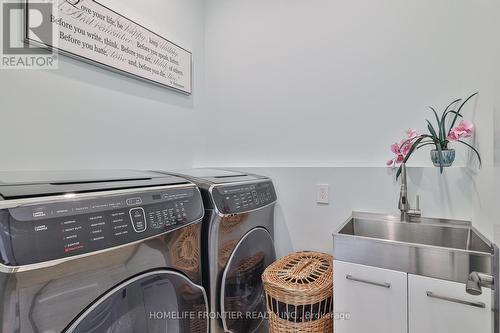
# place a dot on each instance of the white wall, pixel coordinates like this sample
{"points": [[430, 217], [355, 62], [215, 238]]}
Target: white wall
{"points": [[81, 116], [327, 83], [485, 189], [333, 83]]}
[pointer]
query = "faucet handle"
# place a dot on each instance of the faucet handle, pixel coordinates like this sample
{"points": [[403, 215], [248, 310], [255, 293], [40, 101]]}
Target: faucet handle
{"points": [[416, 212]]}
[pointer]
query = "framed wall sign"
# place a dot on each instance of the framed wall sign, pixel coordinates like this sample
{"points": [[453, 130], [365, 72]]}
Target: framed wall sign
{"points": [[92, 32]]}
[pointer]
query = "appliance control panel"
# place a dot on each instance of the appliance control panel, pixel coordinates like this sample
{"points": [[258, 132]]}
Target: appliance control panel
{"points": [[57, 230], [235, 199]]}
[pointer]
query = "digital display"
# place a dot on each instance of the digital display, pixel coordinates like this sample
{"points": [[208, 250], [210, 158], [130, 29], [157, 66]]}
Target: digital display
{"points": [[232, 199]]}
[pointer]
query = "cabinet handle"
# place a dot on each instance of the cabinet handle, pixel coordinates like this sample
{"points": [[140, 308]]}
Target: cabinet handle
{"points": [[456, 300], [378, 284]]}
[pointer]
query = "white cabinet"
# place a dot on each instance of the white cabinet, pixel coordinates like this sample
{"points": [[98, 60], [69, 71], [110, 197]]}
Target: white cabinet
{"points": [[437, 306], [375, 299]]}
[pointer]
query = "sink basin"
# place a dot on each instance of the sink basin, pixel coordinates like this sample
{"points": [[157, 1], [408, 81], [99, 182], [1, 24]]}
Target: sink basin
{"points": [[444, 233], [438, 248]]}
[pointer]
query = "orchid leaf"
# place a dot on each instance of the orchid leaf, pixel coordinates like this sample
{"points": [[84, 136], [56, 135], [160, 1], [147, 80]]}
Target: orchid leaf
{"points": [[443, 123], [432, 131], [474, 149], [452, 103], [441, 131], [458, 111], [426, 144], [440, 157], [444, 115], [412, 149], [454, 112], [448, 108]]}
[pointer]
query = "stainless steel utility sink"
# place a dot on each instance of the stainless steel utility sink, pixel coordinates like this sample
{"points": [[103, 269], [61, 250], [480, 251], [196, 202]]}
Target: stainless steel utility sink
{"points": [[444, 249], [444, 233]]}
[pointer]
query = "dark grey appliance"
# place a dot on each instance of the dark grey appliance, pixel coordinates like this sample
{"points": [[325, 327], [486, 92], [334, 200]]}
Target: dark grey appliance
{"points": [[237, 246], [114, 251]]}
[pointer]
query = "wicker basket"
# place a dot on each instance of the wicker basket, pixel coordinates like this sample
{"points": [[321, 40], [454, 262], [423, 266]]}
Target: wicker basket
{"points": [[299, 293]]}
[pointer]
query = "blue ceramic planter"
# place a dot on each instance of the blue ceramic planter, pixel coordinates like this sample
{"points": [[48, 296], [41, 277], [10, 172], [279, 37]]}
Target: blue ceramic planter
{"points": [[447, 159]]}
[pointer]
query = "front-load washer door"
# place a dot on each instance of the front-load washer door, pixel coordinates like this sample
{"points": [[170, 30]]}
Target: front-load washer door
{"points": [[160, 301], [242, 293]]}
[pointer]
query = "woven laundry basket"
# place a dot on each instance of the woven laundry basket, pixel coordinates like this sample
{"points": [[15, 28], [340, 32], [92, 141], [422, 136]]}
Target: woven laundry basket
{"points": [[299, 293]]}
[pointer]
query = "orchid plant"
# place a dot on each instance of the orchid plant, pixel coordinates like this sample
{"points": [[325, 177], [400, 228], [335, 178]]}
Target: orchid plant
{"points": [[439, 135]]}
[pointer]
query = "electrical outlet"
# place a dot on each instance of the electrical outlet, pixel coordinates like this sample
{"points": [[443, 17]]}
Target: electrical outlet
{"points": [[323, 194]]}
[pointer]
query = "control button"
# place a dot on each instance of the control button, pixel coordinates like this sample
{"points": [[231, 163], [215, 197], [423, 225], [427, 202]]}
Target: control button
{"points": [[73, 247], [134, 201], [41, 227], [255, 197], [138, 218], [121, 233]]}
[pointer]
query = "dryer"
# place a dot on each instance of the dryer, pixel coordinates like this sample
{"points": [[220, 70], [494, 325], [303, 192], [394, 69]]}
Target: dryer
{"points": [[114, 251], [238, 244]]}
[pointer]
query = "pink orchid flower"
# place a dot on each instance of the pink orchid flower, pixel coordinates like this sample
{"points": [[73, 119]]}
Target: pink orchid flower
{"points": [[403, 148], [411, 133], [465, 129], [397, 150]]}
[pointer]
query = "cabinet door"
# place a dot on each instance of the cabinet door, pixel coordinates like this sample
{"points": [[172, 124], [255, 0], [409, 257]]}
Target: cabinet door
{"points": [[371, 299], [438, 306]]}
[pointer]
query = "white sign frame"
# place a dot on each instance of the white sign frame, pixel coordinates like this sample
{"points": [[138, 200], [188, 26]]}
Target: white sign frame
{"points": [[187, 89]]}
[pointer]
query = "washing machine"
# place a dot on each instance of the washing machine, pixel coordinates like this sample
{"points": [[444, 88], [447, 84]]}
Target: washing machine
{"points": [[237, 246], [101, 252]]}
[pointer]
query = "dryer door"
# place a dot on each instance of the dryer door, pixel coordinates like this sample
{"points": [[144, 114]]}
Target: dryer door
{"points": [[160, 301], [242, 294]]}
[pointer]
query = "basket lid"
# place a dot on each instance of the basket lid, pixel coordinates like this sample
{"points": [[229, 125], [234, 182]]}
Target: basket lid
{"points": [[301, 271]]}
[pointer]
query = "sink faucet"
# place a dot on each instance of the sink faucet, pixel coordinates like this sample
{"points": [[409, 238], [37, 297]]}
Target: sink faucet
{"points": [[404, 205], [477, 280]]}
